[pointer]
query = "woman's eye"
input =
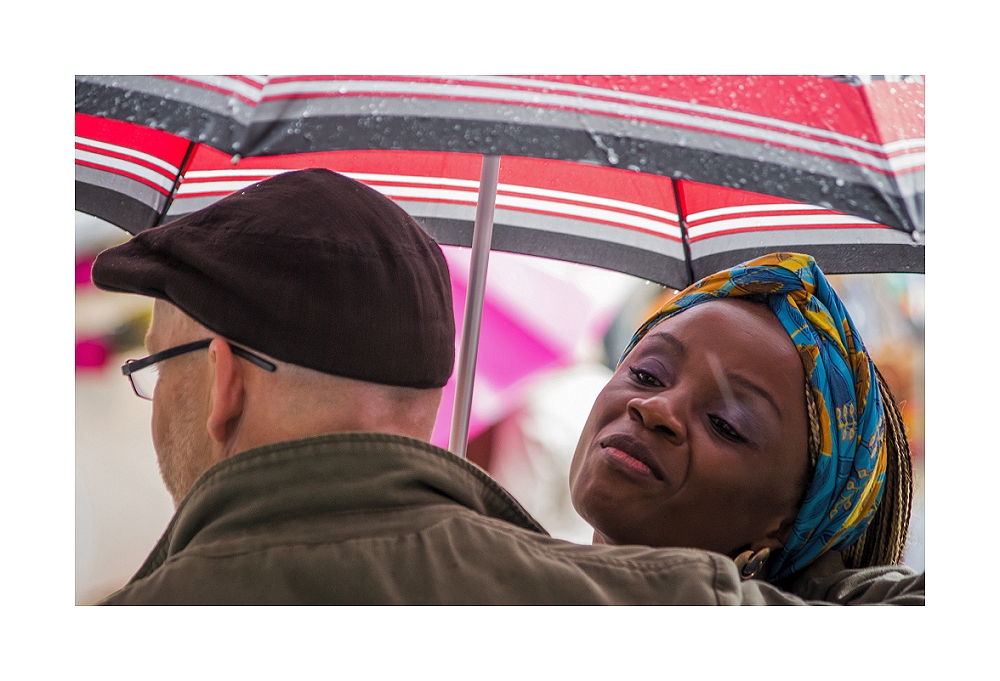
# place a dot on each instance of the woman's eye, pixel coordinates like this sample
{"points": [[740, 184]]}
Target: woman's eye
{"points": [[725, 430], [644, 377]]}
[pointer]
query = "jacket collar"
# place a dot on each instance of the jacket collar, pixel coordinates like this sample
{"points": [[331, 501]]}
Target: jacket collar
{"points": [[334, 473]]}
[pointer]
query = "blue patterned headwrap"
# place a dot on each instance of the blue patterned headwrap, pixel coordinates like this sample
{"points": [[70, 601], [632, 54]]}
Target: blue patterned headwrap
{"points": [[850, 468]]}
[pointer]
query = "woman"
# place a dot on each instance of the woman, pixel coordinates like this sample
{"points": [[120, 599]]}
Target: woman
{"points": [[754, 424]]}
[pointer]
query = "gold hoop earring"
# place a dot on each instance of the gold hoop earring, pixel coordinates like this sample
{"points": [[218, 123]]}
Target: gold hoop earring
{"points": [[751, 564]]}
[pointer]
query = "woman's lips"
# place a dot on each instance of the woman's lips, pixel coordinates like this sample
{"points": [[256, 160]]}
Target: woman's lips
{"points": [[631, 453]]}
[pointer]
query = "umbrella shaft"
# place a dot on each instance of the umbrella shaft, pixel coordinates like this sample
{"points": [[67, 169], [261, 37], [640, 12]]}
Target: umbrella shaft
{"points": [[482, 237]]}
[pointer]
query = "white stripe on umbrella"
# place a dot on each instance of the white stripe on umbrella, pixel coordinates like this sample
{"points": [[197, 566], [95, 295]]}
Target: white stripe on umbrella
{"points": [[236, 172], [414, 179], [908, 162], [121, 165], [583, 198], [232, 85], [599, 215], [778, 221], [220, 188], [694, 218], [916, 143], [125, 151]]}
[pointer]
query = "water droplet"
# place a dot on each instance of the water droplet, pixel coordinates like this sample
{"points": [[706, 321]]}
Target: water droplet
{"points": [[840, 182]]}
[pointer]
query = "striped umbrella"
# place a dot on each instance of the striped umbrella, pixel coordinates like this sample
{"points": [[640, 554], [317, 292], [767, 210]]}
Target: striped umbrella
{"points": [[665, 178]]}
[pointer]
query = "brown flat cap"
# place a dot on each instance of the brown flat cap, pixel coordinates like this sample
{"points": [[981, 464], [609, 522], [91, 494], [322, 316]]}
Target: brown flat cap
{"points": [[309, 267]]}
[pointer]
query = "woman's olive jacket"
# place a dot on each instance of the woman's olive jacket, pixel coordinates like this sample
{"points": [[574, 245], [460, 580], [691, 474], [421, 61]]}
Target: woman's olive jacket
{"points": [[363, 518]]}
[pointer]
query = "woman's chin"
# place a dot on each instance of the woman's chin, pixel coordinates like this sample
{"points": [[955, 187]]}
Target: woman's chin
{"points": [[608, 513]]}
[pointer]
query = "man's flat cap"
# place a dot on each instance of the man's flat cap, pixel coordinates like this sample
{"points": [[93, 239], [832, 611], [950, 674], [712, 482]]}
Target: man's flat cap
{"points": [[309, 267]]}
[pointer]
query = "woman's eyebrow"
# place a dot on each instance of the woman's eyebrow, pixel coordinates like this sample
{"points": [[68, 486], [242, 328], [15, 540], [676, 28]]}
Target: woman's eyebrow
{"points": [[676, 347]]}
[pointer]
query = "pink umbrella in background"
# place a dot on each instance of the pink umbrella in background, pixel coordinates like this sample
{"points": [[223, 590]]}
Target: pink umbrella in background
{"points": [[537, 317]]}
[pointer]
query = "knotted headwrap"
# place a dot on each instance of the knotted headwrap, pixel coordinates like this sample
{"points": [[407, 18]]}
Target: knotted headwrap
{"points": [[851, 463]]}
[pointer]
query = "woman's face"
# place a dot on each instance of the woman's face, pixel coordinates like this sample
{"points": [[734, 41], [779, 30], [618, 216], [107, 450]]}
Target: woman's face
{"points": [[699, 439]]}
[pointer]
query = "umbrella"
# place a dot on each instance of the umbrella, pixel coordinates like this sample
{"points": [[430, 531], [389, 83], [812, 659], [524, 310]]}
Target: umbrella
{"points": [[665, 178]]}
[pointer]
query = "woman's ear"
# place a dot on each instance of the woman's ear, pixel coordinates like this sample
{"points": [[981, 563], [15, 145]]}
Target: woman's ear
{"points": [[776, 539], [227, 394]]}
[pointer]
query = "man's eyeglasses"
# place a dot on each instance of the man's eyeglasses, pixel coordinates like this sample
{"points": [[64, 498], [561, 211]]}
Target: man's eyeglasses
{"points": [[143, 373]]}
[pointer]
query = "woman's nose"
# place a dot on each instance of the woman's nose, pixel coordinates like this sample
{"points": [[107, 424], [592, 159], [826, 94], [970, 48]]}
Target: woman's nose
{"points": [[659, 413]]}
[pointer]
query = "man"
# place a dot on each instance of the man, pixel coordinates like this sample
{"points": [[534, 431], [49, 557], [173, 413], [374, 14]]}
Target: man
{"points": [[302, 333]]}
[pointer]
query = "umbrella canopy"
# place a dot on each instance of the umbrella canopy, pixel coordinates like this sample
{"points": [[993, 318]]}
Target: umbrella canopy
{"points": [[622, 172], [667, 178]]}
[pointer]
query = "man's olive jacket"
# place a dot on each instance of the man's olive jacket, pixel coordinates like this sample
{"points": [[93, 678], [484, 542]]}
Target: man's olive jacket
{"points": [[356, 518]]}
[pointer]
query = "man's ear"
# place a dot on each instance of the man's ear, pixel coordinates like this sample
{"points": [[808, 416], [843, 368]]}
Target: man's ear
{"points": [[227, 395]]}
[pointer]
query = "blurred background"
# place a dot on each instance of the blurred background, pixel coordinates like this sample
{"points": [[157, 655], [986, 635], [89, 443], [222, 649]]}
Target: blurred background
{"points": [[551, 334]]}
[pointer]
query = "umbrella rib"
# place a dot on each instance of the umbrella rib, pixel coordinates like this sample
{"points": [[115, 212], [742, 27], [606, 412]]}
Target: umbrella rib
{"points": [[902, 213], [682, 222], [177, 183]]}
